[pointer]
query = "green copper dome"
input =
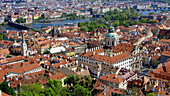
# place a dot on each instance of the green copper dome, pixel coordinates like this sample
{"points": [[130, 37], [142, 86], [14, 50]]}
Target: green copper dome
{"points": [[112, 32], [114, 35]]}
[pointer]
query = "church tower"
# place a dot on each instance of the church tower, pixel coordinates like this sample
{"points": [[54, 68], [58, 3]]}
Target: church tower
{"points": [[53, 31], [112, 38], [99, 69], [24, 45]]}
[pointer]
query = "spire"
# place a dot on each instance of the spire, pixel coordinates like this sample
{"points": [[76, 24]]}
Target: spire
{"points": [[23, 39], [24, 45], [54, 31]]}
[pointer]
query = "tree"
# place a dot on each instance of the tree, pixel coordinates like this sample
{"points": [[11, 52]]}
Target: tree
{"points": [[164, 11], [70, 29], [80, 91], [143, 30], [33, 88], [151, 94], [83, 28], [143, 20], [116, 23], [6, 89], [80, 24], [72, 80], [151, 21], [56, 86], [88, 80], [49, 92], [20, 20], [28, 94], [107, 17], [151, 13], [1, 37]]}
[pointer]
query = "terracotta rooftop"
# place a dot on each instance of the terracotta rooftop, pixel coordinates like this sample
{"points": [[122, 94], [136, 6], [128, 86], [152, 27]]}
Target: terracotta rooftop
{"points": [[58, 76], [3, 94], [162, 73], [117, 90], [122, 47], [166, 53], [111, 60], [111, 78], [165, 40]]}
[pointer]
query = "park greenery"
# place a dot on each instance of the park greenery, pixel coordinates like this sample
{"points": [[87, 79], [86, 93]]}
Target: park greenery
{"points": [[6, 89], [2, 36], [164, 11], [115, 18], [73, 16], [151, 94], [20, 20], [75, 86], [36, 30], [151, 13]]}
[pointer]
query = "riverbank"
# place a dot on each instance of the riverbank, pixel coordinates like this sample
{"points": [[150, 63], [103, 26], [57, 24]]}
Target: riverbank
{"points": [[37, 25], [49, 20]]}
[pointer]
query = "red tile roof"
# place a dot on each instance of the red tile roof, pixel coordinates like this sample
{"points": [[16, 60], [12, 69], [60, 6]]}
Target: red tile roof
{"points": [[108, 59], [162, 73], [58, 76], [166, 53], [4, 94], [111, 78]]}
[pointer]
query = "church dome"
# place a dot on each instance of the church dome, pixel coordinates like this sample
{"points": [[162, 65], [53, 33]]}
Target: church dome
{"points": [[114, 35], [112, 32]]}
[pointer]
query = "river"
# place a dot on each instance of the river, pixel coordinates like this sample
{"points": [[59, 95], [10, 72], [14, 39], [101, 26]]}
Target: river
{"points": [[147, 12], [37, 25], [60, 23]]}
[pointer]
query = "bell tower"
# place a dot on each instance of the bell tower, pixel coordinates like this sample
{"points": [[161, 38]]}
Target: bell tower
{"points": [[99, 69], [23, 44]]}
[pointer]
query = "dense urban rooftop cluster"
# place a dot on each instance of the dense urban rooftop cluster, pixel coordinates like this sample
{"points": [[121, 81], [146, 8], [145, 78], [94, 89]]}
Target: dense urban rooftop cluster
{"points": [[68, 60]]}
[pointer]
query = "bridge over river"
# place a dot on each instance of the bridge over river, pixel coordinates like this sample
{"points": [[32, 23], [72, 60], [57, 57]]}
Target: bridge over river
{"points": [[21, 26]]}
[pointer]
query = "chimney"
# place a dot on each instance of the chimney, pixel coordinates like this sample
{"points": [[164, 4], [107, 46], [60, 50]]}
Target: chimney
{"points": [[0, 93], [111, 55], [145, 87], [94, 53], [82, 65], [86, 67], [99, 67], [86, 50]]}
